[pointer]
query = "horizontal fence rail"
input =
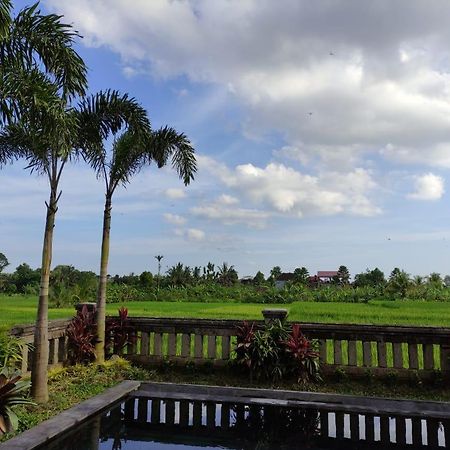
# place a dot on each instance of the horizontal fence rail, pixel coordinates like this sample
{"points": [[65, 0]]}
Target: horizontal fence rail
{"points": [[354, 349]]}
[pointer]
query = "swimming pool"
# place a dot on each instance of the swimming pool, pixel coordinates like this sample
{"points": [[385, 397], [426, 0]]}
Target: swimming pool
{"points": [[167, 416]]}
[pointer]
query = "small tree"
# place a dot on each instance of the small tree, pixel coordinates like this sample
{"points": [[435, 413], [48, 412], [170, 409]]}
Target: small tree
{"points": [[146, 279], [399, 283], [227, 275], [343, 275], [258, 278], [159, 258], [3, 262], [435, 280], [275, 273], [301, 275]]}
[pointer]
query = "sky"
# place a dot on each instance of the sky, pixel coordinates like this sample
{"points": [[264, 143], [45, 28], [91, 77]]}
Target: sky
{"points": [[322, 134]]}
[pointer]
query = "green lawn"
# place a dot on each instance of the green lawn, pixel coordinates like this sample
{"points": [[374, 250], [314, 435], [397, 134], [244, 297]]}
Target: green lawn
{"points": [[20, 310]]}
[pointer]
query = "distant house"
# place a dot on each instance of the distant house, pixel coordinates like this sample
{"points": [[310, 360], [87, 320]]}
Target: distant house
{"points": [[284, 278], [326, 276]]}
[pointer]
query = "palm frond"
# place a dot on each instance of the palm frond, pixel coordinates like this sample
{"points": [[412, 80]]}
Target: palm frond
{"points": [[128, 158], [167, 144], [35, 39], [5, 17], [105, 114]]}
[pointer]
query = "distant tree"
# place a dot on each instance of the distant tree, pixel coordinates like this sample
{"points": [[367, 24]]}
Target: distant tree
{"points": [[3, 262], [394, 273], [435, 279], [275, 273], [258, 278], [419, 280], [158, 281], [196, 273], [447, 280], [179, 275], [399, 283], [209, 273], [24, 276], [146, 279], [227, 275], [301, 275], [343, 275]]}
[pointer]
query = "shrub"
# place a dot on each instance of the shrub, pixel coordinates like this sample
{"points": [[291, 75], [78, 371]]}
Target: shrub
{"points": [[81, 337], [119, 333], [304, 356], [277, 351], [11, 349], [12, 393]]}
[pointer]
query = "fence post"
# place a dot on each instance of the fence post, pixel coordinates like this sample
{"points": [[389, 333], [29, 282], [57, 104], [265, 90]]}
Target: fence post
{"points": [[445, 361]]}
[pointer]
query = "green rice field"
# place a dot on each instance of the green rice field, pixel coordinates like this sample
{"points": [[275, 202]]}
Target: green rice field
{"points": [[17, 310]]}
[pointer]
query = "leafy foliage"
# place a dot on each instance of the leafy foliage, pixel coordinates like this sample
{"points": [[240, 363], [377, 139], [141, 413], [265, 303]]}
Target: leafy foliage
{"points": [[81, 337], [11, 350], [305, 358], [12, 393], [276, 351], [119, 333]]}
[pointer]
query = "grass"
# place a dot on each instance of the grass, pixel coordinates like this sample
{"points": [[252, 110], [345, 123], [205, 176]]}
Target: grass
{"points": [[18, 310]]}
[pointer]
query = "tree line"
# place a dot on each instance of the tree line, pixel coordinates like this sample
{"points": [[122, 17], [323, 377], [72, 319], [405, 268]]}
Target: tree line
{"points": [[69, 285]]}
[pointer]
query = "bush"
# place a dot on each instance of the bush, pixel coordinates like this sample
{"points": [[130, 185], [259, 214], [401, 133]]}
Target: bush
{"points": [[119, 333], [12, 390], [81, 337], [276, 351]]}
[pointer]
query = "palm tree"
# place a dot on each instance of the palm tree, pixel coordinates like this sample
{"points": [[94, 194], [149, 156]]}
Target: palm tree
{"points": [[226, 275], [136, 147], [159, 258], [40, 74]]}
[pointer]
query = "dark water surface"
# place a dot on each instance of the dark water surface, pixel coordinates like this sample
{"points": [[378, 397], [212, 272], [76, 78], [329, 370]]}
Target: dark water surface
{"points": [[166, 424]]}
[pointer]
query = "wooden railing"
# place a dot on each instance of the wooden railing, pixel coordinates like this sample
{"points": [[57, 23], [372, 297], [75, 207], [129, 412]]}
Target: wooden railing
{"points": [[57, 343], [356, 349]]}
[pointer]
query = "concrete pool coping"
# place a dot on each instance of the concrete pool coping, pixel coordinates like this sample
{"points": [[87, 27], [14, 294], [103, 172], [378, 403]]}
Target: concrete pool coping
{"points": [[52, 428], [67, 420], [324, 401]]}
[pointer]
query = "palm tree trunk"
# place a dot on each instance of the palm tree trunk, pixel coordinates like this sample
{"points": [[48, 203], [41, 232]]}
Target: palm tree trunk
{"points": [[39, 378], [101, 295]]}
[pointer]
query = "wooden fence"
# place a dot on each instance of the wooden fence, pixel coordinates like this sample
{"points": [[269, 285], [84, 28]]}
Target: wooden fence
{"points": [[352, 348], [356, 349], [57, 343]]}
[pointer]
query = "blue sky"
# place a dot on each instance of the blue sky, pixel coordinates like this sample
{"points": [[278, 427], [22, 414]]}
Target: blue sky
{"points": [[321, 130]]}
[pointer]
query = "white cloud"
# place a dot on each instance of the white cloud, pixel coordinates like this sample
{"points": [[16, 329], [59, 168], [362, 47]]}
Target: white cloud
{"points": [[287, 191], [227, 200], [225, 211], [174, 219], [428, 187], [334, 88], [191, 234], [437, 155], [194, 234], [175, 193]]}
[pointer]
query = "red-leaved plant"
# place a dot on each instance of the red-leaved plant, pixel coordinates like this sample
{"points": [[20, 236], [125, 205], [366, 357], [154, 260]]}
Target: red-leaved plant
{"points": [[303, 355], [245, 338], [277, 350], [119, 332], [81, 337]]}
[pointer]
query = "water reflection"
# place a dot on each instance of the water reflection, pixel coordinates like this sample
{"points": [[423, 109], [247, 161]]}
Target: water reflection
{"points": [[145, 424]]}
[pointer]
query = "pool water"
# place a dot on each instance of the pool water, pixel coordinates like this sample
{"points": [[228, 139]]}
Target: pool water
{"points": [[142, 423]]}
